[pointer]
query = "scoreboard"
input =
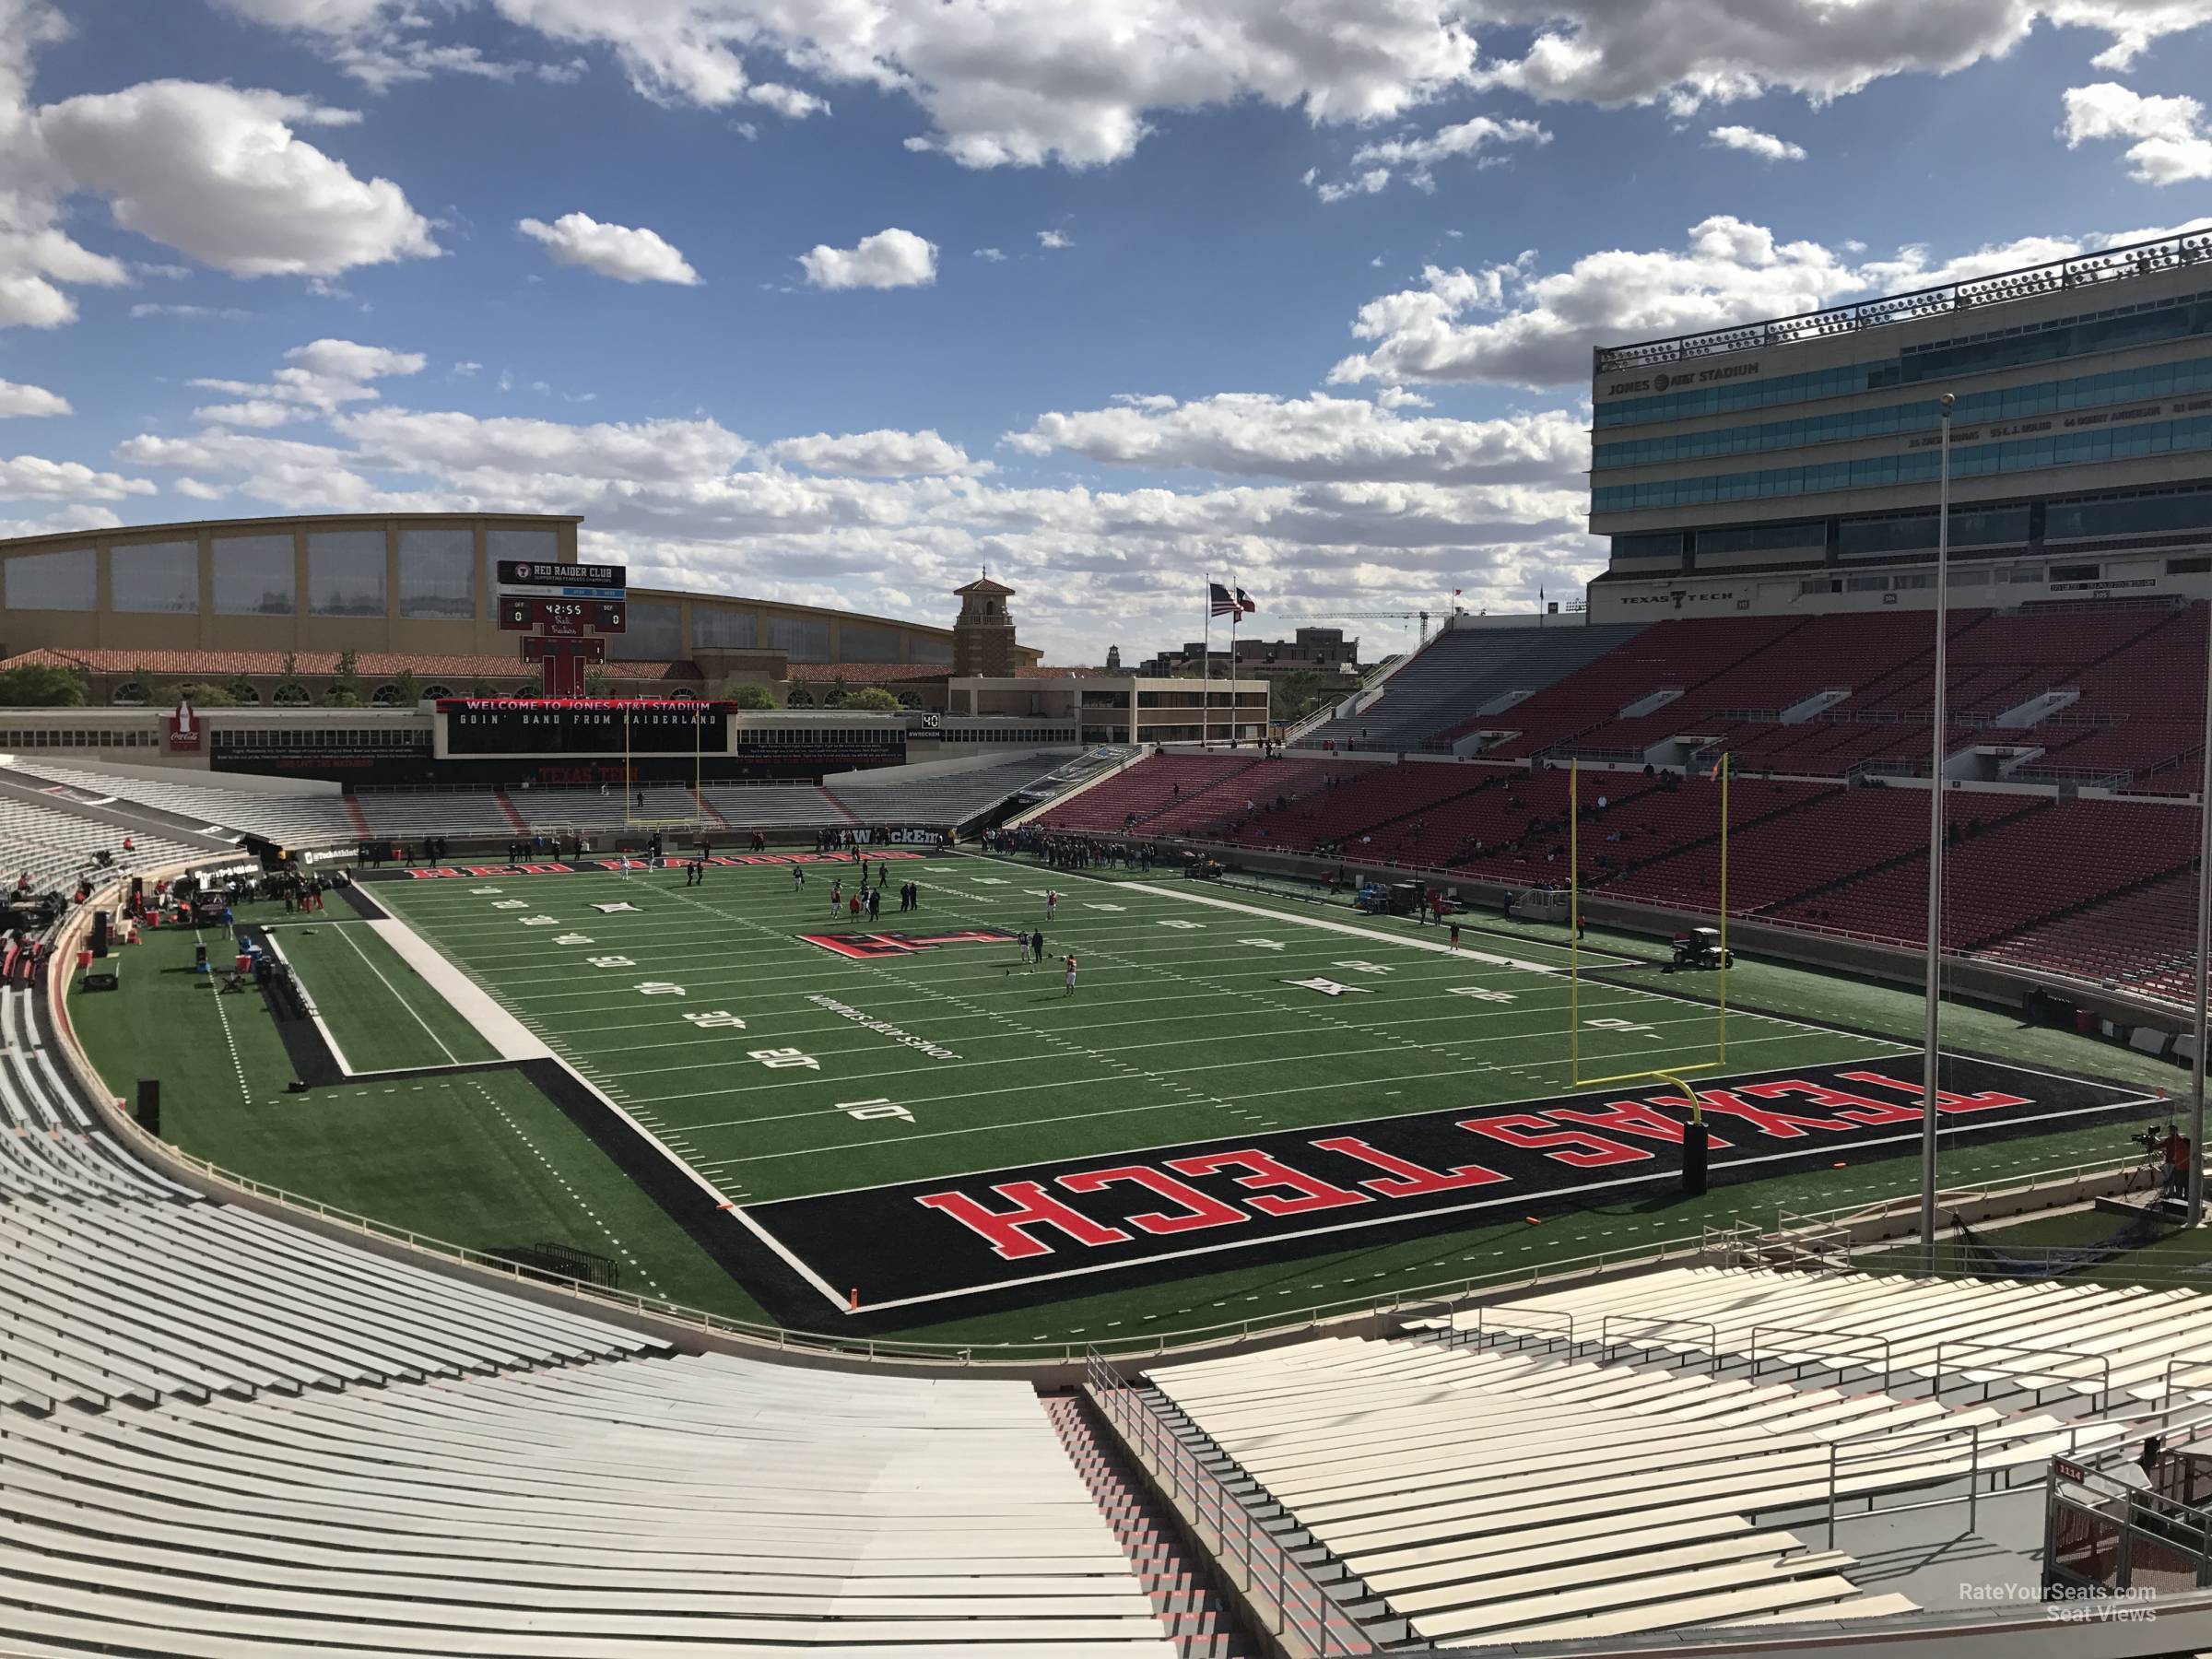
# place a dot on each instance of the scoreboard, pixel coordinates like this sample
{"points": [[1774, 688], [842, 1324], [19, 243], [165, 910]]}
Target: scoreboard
{"points": [[562, 725], [562, 619]]}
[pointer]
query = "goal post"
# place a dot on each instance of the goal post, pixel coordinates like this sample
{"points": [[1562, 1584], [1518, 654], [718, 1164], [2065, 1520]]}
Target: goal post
{"points": [[1675, 1073], [695, 821]]}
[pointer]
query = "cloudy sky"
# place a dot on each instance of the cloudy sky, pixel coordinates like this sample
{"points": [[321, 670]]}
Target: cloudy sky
{"points": [[834, 300]]}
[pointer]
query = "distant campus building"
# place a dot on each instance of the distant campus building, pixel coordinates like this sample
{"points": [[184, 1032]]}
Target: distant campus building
{"points": [[1311, 649], [229, 600]]}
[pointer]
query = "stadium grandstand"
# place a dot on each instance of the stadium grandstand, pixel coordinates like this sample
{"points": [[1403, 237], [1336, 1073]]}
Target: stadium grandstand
{"points": [[1665, 1127]]}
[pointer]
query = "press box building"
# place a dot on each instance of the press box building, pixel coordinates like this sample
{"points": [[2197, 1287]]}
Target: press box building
{"points": [[1793, 465]]}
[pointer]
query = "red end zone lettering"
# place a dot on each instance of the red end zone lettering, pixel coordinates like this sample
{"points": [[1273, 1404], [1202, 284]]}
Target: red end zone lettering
{"points": [[1269, 1171], [1033, 1206], [1198, 1210], [1405, 1177], [1989, 1100], [1322, 1190], [1632, 1117], [1590, 1151]]}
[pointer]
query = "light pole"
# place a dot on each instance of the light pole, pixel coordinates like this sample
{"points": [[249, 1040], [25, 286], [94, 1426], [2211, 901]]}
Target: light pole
{"points": [[1933, 1037], [2203, 938]]}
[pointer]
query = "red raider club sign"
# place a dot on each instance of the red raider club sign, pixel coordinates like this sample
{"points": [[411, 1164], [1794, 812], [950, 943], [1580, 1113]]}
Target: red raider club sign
{"points": [[925, 1240]]}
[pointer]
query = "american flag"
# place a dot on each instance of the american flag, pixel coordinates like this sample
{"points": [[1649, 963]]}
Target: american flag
{"points": [[1224, 602]]}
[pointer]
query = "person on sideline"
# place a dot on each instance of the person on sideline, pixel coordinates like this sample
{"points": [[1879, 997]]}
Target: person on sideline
{"points": [[1070, 991]]}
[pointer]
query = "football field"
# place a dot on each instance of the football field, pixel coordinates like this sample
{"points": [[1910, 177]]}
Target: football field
{"points": [[872, 1099], [767, 1060]]}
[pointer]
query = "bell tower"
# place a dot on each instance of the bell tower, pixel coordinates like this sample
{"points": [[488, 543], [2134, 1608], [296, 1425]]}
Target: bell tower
{"points": [[983, 635]]}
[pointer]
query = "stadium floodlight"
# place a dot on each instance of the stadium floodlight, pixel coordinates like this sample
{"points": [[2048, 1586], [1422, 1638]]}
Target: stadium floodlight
{"points": [[1694, 1138], [1932, 1034], [2204, 940]]}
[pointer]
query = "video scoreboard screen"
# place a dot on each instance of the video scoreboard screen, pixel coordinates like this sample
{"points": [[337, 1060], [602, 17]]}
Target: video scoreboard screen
{"points": [[500, 725]]}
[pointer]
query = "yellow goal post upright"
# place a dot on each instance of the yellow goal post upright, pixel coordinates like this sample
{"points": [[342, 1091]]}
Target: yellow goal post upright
{"points": [[631, 817], [1694, 1138]]}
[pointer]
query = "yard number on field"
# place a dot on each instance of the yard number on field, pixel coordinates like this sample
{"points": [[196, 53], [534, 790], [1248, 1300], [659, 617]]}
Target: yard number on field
{"points": [[776, 1059], [1178, 921], [1617, 1024], [1364, 967], [1484, 994], [1264, 944], [573, 939], [658, 988], [611, 961], [867, 1110], [718, 1020]]}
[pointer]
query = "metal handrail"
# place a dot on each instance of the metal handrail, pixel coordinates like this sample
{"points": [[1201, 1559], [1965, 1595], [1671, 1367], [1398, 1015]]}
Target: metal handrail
{"points": [[2101, 1361], [1486, 1316], [1238, 1541], [1881, 1342], [1979, 1442], [1604, 1326], [2176, 1363]]}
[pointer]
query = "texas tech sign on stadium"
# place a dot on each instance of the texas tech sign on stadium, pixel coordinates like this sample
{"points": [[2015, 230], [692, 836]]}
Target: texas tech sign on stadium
{"points": [[928, 1239]]}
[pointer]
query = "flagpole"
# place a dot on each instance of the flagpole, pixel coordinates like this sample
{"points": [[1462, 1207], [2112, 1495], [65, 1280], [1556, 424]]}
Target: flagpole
{"points": [[1205, 698], [1236, 616]]}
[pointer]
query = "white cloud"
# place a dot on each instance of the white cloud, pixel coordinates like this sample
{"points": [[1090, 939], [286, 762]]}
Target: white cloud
{"points": [[641, 454], [18, 399], [688, 503], [225, 313], [1000, 85], [1054, 240], [1415, 157], [196, 490], [893, 258], [54, 523], [318, 378], [878, 455], [991, 255], [221, 175], [1513, 325], [1753, 142], [37, 257], [33, 479], [1688, 54], [1318, 438], [2171, 142], [616, 250]]}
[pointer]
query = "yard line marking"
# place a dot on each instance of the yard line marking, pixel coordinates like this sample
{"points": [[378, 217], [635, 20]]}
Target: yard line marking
{"points": [[413, 1012]]}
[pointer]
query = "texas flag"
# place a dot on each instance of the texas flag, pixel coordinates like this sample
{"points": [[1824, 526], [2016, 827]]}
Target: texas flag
{"points": [[1244, 603]]}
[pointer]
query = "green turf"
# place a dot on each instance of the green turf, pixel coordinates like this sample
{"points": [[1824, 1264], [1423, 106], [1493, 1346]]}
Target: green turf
{"points": [[1185, 1025], [1183, 1029], [379, 1010], [477, 1160]]}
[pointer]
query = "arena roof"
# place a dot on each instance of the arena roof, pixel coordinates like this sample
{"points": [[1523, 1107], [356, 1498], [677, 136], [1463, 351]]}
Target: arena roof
{"points": [[2083, 270], [367, 663]]}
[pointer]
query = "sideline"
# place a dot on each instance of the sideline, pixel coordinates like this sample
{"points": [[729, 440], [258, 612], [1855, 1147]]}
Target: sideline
{"points": [[510, 1039], [1440, 946]]}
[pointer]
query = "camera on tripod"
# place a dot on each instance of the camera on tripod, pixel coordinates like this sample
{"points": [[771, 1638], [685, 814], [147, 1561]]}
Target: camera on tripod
{"points": [[2152, 1139]]}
